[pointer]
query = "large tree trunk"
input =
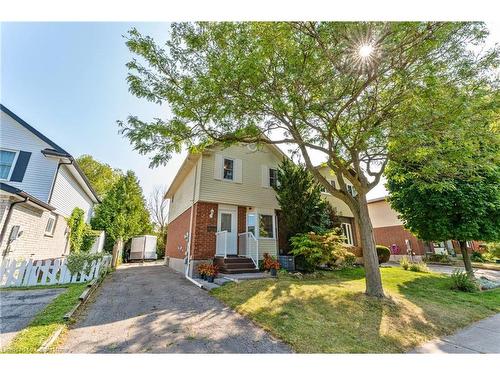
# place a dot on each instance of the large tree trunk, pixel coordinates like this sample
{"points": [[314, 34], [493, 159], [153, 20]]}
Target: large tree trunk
{"points": [[373, 279], [466, 258]]}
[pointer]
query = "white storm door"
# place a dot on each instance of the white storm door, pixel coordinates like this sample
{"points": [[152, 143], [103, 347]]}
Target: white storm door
{"points": [[228, 222]]}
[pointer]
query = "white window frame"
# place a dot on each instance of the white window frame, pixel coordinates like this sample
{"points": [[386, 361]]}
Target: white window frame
{"points": [[347, 232], [224, 158], [52, 229], [269, 176], [14, 162], [257, 224]]}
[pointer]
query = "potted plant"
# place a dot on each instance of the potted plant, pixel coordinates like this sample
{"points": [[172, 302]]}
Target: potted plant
{"points": [[274, 266], [271, 264], [211, 272], [202, 271]]}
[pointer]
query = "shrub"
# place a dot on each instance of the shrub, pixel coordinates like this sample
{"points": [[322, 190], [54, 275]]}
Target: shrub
{"points": [[494, 249], [81, 261], [313, 250], [476, 257], [463, 282], [77, 228], [89, 237], [383, 254], [439, 258], [419, 267], [404, 262], [343, 258]]}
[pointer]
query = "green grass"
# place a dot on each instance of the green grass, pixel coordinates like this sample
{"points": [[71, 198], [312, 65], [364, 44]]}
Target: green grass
{"points": [[46, 322], [329, 312]]}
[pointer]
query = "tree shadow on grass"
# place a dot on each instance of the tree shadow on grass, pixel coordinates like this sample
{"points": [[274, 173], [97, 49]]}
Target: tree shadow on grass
{"points": [[446, 310]]}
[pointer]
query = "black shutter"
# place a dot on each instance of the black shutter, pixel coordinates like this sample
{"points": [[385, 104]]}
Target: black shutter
{"points": [[22, 162]]}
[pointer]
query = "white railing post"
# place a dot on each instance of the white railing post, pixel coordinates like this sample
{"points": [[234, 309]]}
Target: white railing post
{"points": [[225, 244]]}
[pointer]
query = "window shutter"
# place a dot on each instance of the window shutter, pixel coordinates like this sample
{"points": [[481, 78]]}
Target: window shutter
{"points": [[238, 173], [218, 167], [265, 176], [20, 169]]}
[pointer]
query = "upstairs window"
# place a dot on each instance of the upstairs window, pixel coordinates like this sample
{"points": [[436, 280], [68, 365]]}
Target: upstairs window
{"points": [[228, 171], [273, 177], [6, 163], [332, 182], [351, 190]]}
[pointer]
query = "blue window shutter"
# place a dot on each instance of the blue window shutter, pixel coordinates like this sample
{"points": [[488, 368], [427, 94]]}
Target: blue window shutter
{"points": [[21, 165]]}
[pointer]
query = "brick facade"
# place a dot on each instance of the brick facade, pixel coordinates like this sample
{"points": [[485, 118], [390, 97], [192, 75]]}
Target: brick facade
{"points": [[176, 243], [397, 234], [205, 227], [33, 242]]}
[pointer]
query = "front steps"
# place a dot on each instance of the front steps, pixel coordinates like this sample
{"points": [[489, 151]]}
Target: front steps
{"points": [[235, 264]]}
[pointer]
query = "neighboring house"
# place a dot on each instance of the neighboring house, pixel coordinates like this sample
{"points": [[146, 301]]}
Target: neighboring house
{"points": [[224, 197], [389, 231], [40, 185]]}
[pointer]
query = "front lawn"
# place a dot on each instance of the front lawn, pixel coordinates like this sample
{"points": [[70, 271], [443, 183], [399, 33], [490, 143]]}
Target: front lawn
{"points": [[47, 321], [329, 312]]}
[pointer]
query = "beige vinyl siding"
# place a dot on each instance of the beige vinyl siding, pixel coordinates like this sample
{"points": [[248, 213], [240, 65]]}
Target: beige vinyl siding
{"points": [[341, 208], [382, 215], [250, 191], [269, 246], [184, 194]]}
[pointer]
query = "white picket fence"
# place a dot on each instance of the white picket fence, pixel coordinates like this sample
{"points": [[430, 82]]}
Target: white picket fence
{"points": [[29, 272]]}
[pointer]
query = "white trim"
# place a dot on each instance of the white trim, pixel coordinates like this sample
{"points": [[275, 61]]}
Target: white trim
{"points": [[50, 232], [347, 231], [14, 162]]}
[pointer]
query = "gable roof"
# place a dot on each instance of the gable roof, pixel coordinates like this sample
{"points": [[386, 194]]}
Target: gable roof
{"points": [[192, 158], [55, 151]]}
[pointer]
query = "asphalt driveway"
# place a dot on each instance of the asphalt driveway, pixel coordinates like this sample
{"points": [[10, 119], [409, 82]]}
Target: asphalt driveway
{"points": [[19, 307], [152, 309]]}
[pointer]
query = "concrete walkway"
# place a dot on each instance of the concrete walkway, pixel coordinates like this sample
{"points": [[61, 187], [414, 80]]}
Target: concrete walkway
{"points": [[150, 308], [481, 337]]}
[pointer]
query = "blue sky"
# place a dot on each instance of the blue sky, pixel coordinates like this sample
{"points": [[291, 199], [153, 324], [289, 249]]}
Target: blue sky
{"points": [[68, 81]]}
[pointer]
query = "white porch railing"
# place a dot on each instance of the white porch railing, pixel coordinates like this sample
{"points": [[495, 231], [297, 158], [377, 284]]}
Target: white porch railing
{"points": [[248, 246], [221, 243], [29, 272]]}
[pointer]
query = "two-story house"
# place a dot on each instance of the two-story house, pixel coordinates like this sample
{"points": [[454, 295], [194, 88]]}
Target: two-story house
{"points": [[223, 209], [40, 185]]}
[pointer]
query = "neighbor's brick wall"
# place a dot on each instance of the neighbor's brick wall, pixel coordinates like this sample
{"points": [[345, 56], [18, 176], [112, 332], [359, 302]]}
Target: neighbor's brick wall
{"points": [[398, 234], [176, 244], [203, 240], [33, 243]]}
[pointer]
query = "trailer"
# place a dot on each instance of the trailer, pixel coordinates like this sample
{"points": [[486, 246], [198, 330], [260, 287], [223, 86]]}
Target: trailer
{"points": [[143, 248]]}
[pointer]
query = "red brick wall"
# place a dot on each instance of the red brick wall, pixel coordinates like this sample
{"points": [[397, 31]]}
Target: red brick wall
{"points": [[204, 241], [398, 234], [175, 238]]}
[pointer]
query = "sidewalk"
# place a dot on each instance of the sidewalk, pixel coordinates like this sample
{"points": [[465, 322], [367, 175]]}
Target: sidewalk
{"points": [[480, 337]]}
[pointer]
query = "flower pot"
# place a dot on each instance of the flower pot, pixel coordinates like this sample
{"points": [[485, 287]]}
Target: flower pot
{"points": [[273, 272], [210, 279]]}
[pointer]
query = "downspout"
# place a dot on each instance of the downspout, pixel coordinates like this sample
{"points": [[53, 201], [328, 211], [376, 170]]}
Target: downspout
{"points": [[191, 231], [6, 223]]}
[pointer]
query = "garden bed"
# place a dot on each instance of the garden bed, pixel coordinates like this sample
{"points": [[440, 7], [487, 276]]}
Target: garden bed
{"points": [[328, 312]]}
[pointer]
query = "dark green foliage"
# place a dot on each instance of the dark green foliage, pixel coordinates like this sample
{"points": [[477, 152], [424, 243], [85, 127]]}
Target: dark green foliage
{"points": [[383, 254], [78, 228], [81, 261], [463, 281], [299, 195], [122, 213], [476, 256], [89, 237], [313, 250], [438, 258]]}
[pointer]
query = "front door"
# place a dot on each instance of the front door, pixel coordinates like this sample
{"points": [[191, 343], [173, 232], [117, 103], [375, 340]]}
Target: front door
{"points": [[227, 222]]}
